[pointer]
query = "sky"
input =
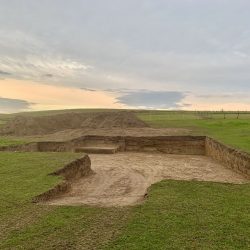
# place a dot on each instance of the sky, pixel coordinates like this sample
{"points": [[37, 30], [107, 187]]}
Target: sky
{"points": [[145, 54]]}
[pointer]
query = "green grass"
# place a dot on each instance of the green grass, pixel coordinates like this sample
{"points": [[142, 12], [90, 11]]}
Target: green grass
{"points": [[232, 131], [176, 215], [2, 122], [4, 141], [190, 215], [30, 226]]}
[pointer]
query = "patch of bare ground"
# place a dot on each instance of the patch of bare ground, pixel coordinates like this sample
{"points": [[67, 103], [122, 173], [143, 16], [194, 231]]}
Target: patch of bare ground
{"points": [[67, 126], [69, 134], [42, 125], [123, 179]]}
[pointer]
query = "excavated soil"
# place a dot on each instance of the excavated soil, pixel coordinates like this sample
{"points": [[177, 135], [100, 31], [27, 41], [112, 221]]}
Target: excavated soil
{"points": [[123, 179], [70, 134], [26, 126]]}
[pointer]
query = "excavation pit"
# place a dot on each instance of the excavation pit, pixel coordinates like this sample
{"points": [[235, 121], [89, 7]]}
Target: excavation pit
{"points": [[123, 179], [123, 167]]}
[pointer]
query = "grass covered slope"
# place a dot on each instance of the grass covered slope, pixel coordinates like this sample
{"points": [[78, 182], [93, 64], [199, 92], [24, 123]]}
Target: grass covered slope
{"points": [[232, 131], [176, 215], [24, 225]]}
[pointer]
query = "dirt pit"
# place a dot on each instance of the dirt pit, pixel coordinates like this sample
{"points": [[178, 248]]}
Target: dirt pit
{"points": [[123, 179]]}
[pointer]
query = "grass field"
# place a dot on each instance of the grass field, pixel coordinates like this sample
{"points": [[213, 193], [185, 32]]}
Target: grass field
{"points": [[232, 131], [29, 226], [176, 214], [10, 142]]}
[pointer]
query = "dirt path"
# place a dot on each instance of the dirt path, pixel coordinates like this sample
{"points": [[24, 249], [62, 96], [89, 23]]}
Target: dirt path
{"points": [[122, 179]]}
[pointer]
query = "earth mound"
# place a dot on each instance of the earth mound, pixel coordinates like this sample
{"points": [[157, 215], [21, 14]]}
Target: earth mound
{"points": [[113, 120], [23, 125]]}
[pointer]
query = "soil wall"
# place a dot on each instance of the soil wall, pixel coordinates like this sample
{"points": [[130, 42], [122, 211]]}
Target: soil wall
{"points": [[95, 140], [229, 157], [190, 145], [165, 144], [74, 170], [53, 146]]}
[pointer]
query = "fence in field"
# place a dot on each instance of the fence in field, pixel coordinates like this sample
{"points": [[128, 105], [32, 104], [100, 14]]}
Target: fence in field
{"points": [[222, 114], [179, 115]]}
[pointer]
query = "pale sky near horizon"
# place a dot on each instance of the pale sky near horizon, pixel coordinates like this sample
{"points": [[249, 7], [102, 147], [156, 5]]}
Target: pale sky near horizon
{"points": [[156, 54]]}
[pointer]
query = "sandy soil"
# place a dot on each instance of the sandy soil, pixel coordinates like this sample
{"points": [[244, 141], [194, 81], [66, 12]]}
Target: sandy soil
{"points": [[122, 179], [69, 134]]}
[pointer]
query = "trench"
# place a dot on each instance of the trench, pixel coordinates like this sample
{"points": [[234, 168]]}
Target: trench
{"points": [[122, 168]]}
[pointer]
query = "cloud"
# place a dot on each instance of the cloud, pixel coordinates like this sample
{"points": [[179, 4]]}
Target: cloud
{"points": [[22, 95], [48, 75], [87, 89], [89, 50], [4, 73], [43, 96], [8, 105], [227, 101], [152, 99]]}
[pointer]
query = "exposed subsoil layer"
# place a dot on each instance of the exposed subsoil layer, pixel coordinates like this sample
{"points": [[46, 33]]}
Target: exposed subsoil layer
{"points": [[122, 179]]}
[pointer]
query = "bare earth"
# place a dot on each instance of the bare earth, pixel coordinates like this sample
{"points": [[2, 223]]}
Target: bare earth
{"points": [[69, 134], [122, 179], [67, 126]]}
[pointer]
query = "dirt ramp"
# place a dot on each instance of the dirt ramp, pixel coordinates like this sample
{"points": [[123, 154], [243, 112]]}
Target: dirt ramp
{"points": [[25, 126], [71, 172]]}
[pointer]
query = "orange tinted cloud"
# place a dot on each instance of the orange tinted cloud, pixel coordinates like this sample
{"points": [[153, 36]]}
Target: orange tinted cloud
{"points": [[217, 102], [56, 97]]}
